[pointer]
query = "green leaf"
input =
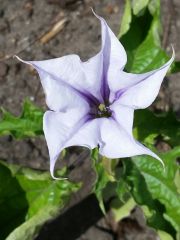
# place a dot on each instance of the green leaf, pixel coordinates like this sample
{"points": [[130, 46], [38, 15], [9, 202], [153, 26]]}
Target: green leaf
{"points": [[124, 210], [32, 194], [147, 126], [164, 236], [126, 19], [29, 124], [13, 203], [29, 229], [161, 183], [154, 7], [138, 30], [152, 187], [139, 5], [149, 55], [41, 190], [175, 67], [144, 27]]}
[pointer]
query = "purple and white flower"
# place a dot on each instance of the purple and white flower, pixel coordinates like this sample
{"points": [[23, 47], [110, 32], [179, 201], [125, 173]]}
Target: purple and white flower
{"points": [[92, 103]]}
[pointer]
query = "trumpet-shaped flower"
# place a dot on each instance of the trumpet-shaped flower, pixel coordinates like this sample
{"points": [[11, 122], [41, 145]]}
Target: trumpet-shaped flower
{"points": [[92, 103]]}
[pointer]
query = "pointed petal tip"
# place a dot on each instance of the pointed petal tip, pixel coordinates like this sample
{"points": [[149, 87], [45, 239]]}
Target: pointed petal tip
{"points": [[173, 50], [93, 11], [159, 159], [56, 178], [173, 54], [59, 178], [96, 15], [21, 60], [169, 62], [18, 58]]}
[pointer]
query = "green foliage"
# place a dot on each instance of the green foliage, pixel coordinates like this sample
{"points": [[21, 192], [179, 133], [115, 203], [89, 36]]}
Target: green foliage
{"points": [[29, 124], [147, 126], [142, 179], [29, 198], [175, 67], [139, 5], [141, 22], [161, 183], [102, 167], [126, 19], [149, 54], [13, 203]]}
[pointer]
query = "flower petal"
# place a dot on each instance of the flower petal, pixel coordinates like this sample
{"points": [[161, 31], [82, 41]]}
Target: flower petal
{"points": [[59, 95], [139, 90], [68, 129], [87, 136], [83, 78], [124, 116], [59, 128], [113, 51], [114, 55], [118, 143], [93, 70]]}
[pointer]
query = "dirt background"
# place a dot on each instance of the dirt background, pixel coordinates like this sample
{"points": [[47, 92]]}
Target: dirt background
{"points": [[23, 23]]}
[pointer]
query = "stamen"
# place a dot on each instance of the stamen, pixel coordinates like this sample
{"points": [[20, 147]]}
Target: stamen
{"points": [[103, 111]]}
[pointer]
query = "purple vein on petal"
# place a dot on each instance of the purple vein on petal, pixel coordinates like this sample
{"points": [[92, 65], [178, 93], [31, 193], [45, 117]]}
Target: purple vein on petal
{"points": [[88, 97], [120, 92], [106, 51]]}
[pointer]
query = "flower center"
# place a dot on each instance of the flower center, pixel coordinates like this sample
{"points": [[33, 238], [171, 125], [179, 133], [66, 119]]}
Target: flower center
{"points": [[103, 111]]}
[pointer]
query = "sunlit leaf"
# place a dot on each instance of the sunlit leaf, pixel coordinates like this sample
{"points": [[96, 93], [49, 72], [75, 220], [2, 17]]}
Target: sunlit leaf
{"points": [[126, 19], [164, 236], [139, 5], [140, 188], [144, 27], [27, 125], [32, 196], [149, 55], [124, 210], [161, 183]]}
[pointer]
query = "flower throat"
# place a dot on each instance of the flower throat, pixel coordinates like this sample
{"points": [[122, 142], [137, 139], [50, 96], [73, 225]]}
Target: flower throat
{"points": [[103, 111]]}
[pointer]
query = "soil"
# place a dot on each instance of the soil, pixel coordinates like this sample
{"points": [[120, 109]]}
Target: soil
{"points": [[23, 23]]}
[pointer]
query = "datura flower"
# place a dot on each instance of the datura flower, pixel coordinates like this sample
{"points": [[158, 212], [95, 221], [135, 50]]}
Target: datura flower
{"points": [[92, 103]]}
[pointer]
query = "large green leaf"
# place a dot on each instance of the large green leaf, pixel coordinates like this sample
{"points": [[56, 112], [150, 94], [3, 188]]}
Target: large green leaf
{"points": [[31, 195], [149, 55], [138, 29], [161, 183], [147, 126], [141, 192], [141, 22], [27, 125]]}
